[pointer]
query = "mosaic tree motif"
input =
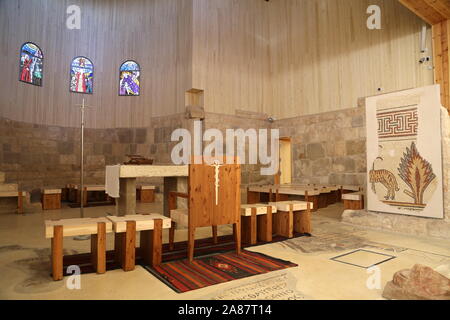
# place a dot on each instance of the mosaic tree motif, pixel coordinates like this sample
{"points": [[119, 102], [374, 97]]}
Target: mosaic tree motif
{"points": [[31, 64], [129, 79], [416, 172], [81, 75]]}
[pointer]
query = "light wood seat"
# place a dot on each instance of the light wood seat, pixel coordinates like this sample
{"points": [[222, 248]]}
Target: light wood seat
{"points": [[143, 222], [296, 205], [99, 187], [9, 187], [150, 227], [76, 227], [355, 196], [261, 208], [56, 230]]}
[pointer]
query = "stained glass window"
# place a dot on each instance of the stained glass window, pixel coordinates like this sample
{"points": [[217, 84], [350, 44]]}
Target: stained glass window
{"points": [[31, 64], [81, 75], [129, 79]]}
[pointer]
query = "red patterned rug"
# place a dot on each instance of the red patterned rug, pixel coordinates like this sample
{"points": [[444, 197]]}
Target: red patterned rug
{"points": [[205, 271]]}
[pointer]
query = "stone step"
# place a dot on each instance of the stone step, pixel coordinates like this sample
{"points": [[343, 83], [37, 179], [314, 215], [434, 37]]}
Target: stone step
{"points": [[2, 177], [7, 187]]}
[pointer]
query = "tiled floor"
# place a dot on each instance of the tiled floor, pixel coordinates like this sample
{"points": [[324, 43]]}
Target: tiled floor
{"points": [[25, 265]]}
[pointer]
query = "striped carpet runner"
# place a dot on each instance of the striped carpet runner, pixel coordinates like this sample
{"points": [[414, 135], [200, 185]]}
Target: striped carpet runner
{"points": [[205, 271]]}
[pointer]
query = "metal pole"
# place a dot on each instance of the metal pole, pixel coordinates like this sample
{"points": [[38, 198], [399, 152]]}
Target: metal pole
{"points": [[86, 237], [82, 162]]}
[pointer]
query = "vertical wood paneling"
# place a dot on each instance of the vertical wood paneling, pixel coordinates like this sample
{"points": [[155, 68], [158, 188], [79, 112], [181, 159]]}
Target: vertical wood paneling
{"points": [[151, 32], [297, 57]]}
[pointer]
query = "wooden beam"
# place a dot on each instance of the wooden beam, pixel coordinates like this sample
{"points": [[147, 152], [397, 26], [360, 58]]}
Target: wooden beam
{"points": [[431, 11], [441, 57]]}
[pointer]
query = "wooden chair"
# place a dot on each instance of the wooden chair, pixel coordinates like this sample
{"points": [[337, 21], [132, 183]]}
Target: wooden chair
{"points": [[203, 211]]}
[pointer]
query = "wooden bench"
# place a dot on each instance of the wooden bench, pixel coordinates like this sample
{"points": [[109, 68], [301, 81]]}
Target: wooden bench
{"points": [[75, 193], [51, 199], [145, 194], [353, 201], [256, 222], [14, 194], [292, 216], [56, 230], [276, 193], [150, 227]]}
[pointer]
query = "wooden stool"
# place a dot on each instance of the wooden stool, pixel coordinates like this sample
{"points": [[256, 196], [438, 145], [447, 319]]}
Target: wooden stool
{"points": [[353, 201], [51, 199], [145, 194], [256, 222], [14, 194], [56, 230], [292, 216], [150, 226]]}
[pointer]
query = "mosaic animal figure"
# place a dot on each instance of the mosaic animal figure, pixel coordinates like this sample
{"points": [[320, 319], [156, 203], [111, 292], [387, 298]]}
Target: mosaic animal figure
{"points": [[386, 178]]}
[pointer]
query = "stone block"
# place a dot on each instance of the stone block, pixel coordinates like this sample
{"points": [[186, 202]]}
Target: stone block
{"points": [[419, 283], [65, 147], [315, 151], [140, 135], [321, 167], [125, 135], [67, 159], [356, 147], [343, 164]]}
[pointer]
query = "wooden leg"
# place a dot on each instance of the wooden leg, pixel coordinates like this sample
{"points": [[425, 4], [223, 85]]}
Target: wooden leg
{"points": [[249, 228], [20, 202], [214, 234], [237, 236], [57, 253], [284, 224], [172, 235], [98, 248], [191, 243], [118, 247], [264, 226], [151, 244], [129, 247]]}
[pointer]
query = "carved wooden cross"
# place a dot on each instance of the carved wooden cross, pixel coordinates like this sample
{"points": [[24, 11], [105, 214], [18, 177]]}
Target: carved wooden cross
{"points": [[216, 164]]}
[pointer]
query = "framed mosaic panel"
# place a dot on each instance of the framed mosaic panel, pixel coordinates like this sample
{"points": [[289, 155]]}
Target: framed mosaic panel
{"points": [[404, 153]]}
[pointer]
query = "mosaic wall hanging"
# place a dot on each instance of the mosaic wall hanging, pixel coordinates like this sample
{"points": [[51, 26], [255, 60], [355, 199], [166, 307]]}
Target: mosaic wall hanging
{"points": [[404, 153]]}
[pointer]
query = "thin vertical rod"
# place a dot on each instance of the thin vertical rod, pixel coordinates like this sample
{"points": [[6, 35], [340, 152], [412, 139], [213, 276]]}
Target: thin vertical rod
{"points": [[82, 163]]}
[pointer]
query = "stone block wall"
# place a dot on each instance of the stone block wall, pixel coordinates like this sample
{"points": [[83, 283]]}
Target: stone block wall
{"points": [[37, 156], [250, 173], [328, 148]]}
